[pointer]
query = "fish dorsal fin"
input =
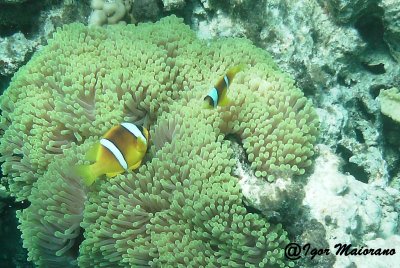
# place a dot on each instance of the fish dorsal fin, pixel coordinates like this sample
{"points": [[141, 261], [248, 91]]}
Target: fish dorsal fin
{"points": [[91, 154]]}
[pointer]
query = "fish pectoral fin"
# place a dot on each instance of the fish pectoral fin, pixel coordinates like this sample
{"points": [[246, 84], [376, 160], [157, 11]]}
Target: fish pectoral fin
{"points": [[225, 101], [141, 145], [135, 166], [112, 174], [206, 105], [91, 154]]}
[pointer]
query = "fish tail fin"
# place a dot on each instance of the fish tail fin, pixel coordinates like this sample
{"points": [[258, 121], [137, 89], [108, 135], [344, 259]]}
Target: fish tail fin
{"points": [[86, 173]]}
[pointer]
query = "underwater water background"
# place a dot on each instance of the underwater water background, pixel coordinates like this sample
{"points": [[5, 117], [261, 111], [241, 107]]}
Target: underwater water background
{"points": [[332, 60]]}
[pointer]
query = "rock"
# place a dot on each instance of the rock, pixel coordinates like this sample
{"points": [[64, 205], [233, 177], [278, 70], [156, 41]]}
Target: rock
{"points": [[26, 26], [359, 214], [12, 1], [145, 10], [346, 11], [14, 51], [173, 4], [391, 20], [220, 25]]}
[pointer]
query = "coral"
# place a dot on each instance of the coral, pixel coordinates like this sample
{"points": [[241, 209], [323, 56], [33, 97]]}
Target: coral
{"points": [[390, 103], [127, 11], [108, 12], [88, 79]]}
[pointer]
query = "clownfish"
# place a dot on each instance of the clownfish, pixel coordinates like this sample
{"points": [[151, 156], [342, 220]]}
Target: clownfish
{"points": [[121, 148], [217, 95]]}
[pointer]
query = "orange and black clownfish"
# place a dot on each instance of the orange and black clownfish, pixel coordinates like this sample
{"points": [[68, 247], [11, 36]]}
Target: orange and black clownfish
{"points": [[217, 95], [122, 148]]}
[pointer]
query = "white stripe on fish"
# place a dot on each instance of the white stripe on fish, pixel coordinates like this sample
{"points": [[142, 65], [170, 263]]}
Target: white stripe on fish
{"points": [[132, 128], [214, 96], [115, 151]]}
